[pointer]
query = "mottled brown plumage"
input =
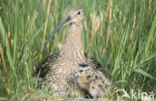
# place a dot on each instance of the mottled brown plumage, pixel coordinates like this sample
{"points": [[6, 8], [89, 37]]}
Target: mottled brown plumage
{"points": [[55, 69], [91, 79]]}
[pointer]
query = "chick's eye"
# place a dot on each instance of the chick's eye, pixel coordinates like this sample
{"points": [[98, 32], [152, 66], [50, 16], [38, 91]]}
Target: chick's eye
{"points": [[81, 70], [78, 13]]}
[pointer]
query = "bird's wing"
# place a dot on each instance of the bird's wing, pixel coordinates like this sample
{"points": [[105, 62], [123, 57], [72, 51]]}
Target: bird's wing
{"points": [[95, 64], [44, 67]]}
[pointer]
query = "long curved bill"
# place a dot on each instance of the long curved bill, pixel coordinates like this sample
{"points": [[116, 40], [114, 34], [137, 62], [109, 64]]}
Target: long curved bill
{"points": [[67, 20]]}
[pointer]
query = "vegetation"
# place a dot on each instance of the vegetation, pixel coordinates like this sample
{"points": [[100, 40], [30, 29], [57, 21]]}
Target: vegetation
{"points": [[121, 33]]}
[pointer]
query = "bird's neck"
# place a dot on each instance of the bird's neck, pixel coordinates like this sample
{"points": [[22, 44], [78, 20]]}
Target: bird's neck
{"points": [[72, 49]]}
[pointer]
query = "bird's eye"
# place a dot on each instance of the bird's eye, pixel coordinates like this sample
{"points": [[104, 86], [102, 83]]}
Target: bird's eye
{"points": [[81, 70], [78, 13]]}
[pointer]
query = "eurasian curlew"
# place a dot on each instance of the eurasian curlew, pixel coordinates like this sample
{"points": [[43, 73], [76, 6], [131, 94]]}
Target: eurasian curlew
{"points": [[55, 69]]}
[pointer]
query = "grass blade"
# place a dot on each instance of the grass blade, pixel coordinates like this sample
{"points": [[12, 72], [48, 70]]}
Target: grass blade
{"points": [[144, 73]]}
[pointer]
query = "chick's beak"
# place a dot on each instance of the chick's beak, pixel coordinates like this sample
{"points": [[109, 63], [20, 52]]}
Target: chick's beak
{"points": [[65, 22]]}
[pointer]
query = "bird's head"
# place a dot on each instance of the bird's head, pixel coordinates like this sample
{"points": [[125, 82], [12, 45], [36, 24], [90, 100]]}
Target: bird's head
{"points": [[75, 16]]}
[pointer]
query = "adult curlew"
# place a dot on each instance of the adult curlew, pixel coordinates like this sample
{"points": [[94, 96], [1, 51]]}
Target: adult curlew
{"points": [[55, 69]]}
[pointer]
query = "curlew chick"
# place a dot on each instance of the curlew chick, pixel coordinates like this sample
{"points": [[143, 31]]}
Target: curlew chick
{"points": [[91, 80]]}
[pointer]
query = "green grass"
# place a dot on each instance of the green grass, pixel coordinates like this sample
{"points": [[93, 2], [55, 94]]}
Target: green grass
{"points": [[121, 33]]}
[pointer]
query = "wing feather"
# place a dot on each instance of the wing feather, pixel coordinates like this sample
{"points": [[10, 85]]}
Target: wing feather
{"points": [[44, 67]]}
